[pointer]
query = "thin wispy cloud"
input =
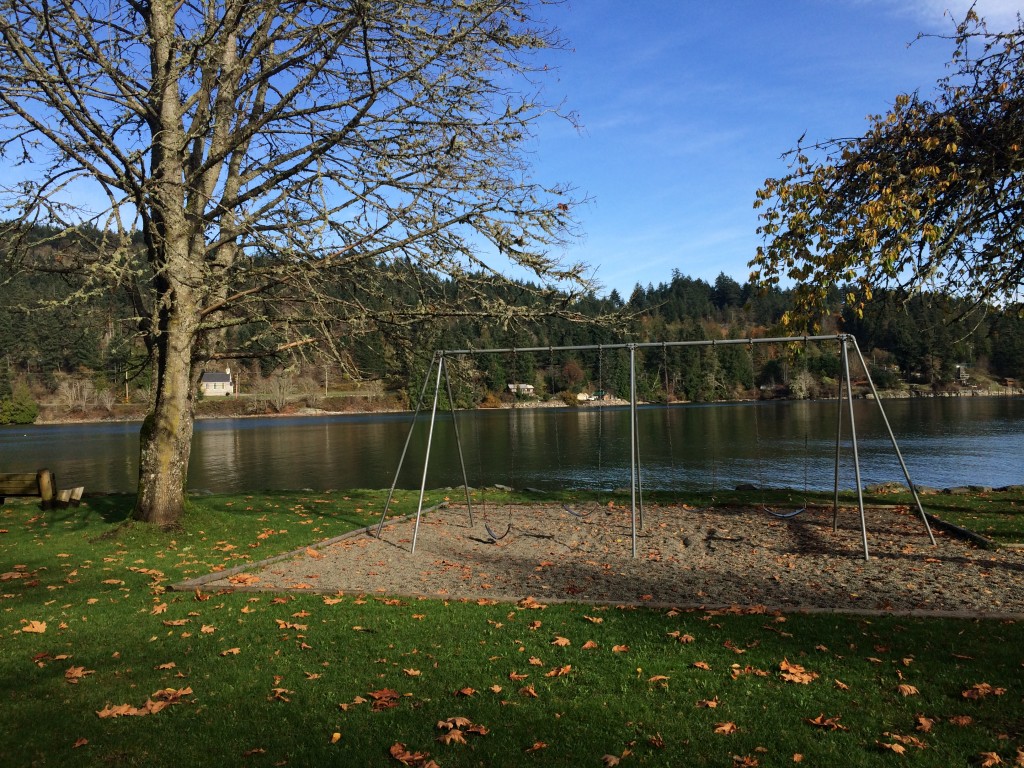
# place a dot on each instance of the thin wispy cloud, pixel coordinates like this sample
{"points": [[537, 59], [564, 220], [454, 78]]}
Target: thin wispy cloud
{"points": [[940, 15]]}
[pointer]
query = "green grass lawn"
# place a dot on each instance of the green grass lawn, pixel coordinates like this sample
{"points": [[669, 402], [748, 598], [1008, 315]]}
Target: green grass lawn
{"points": [[88, 631]]}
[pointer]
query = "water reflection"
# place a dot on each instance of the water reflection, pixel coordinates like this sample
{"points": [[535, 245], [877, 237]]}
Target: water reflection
{"points": [[945, 442]]}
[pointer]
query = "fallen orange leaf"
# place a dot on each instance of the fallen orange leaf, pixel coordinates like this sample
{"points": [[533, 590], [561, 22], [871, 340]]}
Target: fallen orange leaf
{"points": [[454, 736], [899, 749], [725, 728], [620, 648], [794, 673], [405, 757], [828, 723], [981, 690], [560, 641], [36, 627], [74, 674], [537, 746], [231, 652]]}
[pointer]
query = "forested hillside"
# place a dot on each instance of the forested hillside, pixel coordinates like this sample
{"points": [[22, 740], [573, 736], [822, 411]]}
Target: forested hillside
{"points": [[83, 355]]}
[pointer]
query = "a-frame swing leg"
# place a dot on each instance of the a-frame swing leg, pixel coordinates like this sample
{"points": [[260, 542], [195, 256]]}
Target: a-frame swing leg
{"points": [[892, 438], [839, 439], [634, 458], [856, 457], [426, 458], [458, 443], [405, 449]]}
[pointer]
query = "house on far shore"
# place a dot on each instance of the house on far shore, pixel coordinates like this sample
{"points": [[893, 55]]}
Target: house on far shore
{"points": [[521, 389], [215, 383]]}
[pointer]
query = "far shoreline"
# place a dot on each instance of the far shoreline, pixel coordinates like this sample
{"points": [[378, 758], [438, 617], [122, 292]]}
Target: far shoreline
{"points": [[306, 412]]}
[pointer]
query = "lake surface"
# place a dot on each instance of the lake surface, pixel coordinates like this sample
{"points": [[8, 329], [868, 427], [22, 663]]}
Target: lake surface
{"points": [[945, 441]]}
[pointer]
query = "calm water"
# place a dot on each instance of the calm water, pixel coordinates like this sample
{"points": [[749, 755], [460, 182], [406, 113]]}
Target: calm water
{"points": [[944, 441]]}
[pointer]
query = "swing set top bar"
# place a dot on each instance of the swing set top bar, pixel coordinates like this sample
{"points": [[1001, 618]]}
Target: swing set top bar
{"points": [[647, 345]]}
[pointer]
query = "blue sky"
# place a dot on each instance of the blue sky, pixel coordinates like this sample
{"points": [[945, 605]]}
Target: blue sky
{"points": [[686, 108]]}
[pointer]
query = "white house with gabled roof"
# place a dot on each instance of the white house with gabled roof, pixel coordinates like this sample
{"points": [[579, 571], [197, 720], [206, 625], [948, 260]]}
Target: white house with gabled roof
{"points": [[217, 384]]}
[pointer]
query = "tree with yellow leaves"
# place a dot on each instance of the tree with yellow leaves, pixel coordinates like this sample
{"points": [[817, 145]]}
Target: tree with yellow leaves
{"points": [[929, 198]]}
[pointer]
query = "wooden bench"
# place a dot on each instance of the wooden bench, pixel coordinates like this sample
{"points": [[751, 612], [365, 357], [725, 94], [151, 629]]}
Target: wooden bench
{"points": [[40, 484]]}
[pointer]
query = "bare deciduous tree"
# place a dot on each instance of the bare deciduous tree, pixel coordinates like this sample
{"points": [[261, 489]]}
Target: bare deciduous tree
{"points": [[256, 176], [75, 393]]}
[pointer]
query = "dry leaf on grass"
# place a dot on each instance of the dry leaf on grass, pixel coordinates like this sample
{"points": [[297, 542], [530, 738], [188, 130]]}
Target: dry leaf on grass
{"points": [[794, 673], [74, 674], [981, 690], [924, 724], [35, 627], [417, 759], [827, 723], [682, 637], [725, 728]]}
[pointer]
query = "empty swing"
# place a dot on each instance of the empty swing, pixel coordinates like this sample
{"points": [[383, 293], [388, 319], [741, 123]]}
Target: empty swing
{"points": [[780, 514], [514, 439], [600, 394], [669, 424]]}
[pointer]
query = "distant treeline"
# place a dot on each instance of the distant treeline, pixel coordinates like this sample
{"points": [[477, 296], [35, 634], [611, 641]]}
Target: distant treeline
{"points": [[929, 340]]}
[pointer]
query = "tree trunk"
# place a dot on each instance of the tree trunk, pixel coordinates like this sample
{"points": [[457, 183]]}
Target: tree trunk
{"points": [[166, 435]]}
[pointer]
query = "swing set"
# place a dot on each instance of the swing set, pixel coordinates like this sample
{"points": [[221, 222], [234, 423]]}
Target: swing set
{"points": [[439, 370]]}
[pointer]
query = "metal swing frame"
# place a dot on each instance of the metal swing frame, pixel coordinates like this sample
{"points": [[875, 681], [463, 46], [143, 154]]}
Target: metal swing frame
{"points": [[439, 368]]}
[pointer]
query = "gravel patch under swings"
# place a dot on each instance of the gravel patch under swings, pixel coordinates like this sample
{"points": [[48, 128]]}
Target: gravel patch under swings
{"points": [[685, 557]]}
